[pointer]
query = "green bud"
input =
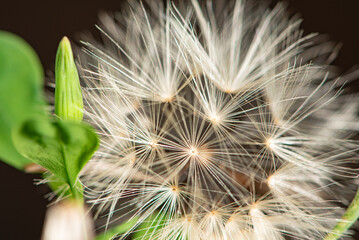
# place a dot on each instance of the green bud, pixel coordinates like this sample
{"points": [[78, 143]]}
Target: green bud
{"points": [[68, 96]]}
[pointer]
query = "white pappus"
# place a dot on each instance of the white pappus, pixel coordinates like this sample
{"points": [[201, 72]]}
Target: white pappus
{"points": [[222, 119]]}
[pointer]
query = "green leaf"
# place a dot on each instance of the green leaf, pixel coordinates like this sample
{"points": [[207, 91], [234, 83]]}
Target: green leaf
{"points": [[21, 83], [149, 229], [68, 96], [117, 230], [60, 146]]}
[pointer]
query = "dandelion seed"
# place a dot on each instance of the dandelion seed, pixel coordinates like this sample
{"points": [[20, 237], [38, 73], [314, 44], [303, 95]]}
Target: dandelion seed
{"points": [[270, 143]]}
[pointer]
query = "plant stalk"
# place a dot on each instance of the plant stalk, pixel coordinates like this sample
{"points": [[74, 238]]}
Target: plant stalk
{"points": [[348, 219]]}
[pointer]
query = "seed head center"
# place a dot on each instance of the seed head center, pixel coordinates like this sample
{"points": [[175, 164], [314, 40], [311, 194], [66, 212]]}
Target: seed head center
{"points": [[153, 144], [270, 143], [194, 151]]}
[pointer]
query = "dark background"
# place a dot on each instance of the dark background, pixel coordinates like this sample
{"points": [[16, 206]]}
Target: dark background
{"points": [[43, 23]]}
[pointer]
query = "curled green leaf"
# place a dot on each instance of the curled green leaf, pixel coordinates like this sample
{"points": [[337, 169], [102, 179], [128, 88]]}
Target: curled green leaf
{"points": [[62, 147], [68, 96]]}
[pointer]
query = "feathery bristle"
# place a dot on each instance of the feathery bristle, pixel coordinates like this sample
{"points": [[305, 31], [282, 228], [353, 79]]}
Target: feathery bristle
{"points": [[221, 120]]}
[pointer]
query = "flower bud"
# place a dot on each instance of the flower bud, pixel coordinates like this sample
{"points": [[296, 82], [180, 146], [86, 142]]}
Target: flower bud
{"points": [[68, 96], [68, 220]]}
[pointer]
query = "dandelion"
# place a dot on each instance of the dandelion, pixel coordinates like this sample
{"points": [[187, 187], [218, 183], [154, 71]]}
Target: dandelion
{"points": [[221, 120]]}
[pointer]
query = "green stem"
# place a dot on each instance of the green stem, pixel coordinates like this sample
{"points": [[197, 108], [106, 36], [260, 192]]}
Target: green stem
{"points": [[77, 193], [348, 219]]}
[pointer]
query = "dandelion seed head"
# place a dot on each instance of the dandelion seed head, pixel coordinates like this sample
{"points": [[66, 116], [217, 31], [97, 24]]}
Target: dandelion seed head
{"points": [[221, 119]]}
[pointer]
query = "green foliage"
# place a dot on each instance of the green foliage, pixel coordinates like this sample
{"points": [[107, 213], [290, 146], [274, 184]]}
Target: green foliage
{"points": [[149, 229], [62, 147], [118, 230], [21, 83], [68, 96]]}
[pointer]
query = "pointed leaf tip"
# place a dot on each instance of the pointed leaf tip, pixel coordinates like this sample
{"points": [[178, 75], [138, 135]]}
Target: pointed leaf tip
{"points": [[68, 95]]}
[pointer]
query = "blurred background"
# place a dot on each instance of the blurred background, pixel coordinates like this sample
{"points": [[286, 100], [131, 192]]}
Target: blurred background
{"points": [[43, 23]]}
